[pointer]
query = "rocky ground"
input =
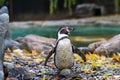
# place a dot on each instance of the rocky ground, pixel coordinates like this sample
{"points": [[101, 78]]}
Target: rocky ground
{"points": [[30, 65]]}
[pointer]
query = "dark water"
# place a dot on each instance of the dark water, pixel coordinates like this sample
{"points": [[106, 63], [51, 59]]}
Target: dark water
{"points": [[88, 32]]}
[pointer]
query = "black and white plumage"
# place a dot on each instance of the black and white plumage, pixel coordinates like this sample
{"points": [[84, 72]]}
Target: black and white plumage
{"points": [[64, 50]]}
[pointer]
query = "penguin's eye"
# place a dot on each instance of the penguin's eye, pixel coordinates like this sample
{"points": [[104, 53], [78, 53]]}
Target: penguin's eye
{"points": [[64, 31]]}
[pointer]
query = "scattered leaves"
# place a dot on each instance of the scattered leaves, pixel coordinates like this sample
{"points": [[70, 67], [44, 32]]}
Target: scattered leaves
{"points": [[105, 75], [94, 61], [43, 78], [112, 65], [92, 57], [116, 58]]}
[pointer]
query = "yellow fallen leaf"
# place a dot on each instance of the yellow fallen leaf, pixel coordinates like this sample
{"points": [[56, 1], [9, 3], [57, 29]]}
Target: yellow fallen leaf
{"points": [[92, 57], [76, 56], [17, 65], [29, 62], [69, 79], [35, 53], [38, 60], [87, 70], [8, 58], [116, 58], [94, 65], [43, 78], [112, 65]]}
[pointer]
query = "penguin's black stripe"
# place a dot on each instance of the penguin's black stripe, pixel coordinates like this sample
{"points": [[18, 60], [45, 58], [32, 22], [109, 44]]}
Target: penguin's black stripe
{"points": [[59, 40], [63, 38]]}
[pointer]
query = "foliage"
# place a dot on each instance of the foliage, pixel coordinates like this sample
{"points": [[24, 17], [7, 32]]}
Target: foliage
{"points": [[116, 57], [67, 4], [2, 2], [117, 6]]}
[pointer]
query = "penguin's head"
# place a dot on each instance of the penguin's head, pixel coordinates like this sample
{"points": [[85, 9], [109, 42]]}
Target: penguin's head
{"points": [[64, 31]]}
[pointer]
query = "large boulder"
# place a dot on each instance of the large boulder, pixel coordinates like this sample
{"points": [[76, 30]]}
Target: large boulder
{"points": [[4, 9], [2, 34], [4, 23], [106, 47], [5, 39], [38, 43]]}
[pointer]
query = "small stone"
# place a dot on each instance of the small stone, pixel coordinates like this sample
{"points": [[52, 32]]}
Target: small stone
{"points": [[66, 73], [91, 78], [8, 65]]}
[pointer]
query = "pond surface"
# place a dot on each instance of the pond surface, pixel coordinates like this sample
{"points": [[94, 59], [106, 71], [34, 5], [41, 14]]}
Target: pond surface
{"points": [[81, 36]]}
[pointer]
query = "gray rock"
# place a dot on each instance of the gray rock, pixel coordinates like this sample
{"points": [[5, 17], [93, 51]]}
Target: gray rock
{"points": [[4, 19], [4, 23], [4, 9], [66, 73], [9, 43], [1, 75], [8, 65], [38, 43], [94, 45], [2, 34], [106, 47], [85, 49]]}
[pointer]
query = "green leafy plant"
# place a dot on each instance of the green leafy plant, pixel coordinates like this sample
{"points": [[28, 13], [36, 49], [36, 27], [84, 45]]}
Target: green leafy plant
{"points": [[117, 6], [67, 4], [53, 6], [2, 2]]}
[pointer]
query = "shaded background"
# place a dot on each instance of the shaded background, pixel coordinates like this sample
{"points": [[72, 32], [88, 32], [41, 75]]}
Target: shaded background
{"points": [[39, 9]]}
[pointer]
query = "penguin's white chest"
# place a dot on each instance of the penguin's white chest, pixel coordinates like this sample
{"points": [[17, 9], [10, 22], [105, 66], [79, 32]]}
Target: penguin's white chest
{"points": [[64, 55]]}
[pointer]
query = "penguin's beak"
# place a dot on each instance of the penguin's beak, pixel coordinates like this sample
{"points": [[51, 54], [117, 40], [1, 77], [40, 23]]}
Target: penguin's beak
{"points": [[69, 29]]}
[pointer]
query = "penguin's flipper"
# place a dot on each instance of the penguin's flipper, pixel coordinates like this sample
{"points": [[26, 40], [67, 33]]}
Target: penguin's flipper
{"points": [[49, 55], [77, 51]]}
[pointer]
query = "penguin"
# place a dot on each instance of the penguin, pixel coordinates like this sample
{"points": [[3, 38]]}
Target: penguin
{"points": [[63, 50]]}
